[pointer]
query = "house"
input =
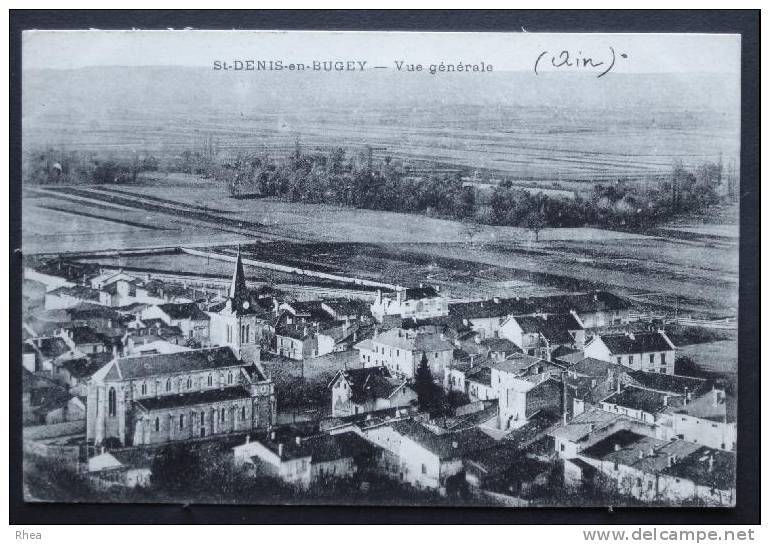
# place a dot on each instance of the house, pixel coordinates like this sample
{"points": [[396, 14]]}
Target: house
{"points": [[506, 470], [709, 420], [650, 469], [401, 350], [336, 336], [648, 351], [152, 399], [540, 335], [69, 296], [369, 389], [191, 320], [75, 373], [124, 468], [525, 385], [594, 310], [50, 352], [346, 309], [38, 391], [492, 347], [305, 460], [107, 277], [428, 459], [641, 404], [472, 377], [421, 302], [297, 341], [585, 429], [122, 291], [85, 339]]}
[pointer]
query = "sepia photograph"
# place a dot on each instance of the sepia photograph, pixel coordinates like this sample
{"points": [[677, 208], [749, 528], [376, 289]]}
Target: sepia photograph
{"points": [[458, 269]]}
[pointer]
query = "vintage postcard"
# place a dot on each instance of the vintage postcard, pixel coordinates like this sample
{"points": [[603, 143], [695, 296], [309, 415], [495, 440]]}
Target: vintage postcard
{"points": [[380, 268]]}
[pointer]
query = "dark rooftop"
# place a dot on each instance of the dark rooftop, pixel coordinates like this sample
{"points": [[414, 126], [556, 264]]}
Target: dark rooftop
{"points": [[706, 467], [170, 363], [193, 399], [669, 382], [641, 342], [184, 310], [449, 445], [635, 398]]}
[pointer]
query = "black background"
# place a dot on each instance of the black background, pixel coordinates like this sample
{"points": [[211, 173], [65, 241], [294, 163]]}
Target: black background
{"points": [[745, 23]]}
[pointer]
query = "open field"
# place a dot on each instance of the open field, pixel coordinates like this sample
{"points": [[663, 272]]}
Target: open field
{"points": [[720, 357], [699, 267]]}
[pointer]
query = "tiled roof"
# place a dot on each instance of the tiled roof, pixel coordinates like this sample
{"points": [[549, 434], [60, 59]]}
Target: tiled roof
{"points": [[77, 291], [193, 399], [86, 335], [670, 383], [706, 467], [519, 363], [170, 363], [449, 445], [83, 368], [413, 340], [369, 383], [597, 368], [636, 343], [581, 303], [635, 398], [52, 347], [583, 424], [481, 376], [417, 293], [184, 310], [320, 448]]}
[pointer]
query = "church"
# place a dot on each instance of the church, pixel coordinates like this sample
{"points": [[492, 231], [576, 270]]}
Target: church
{"points": [[158, 398]]}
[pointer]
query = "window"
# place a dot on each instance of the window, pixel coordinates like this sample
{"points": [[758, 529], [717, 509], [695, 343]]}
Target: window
{"points": [[229, 377], [243, 413], [181, 422], [210, 380], [663, 358], [247, 333], [615, 467], [435, 355], [144, 389], [203, 418], [652, 358], [620, 361], [638, 482], [630, 360], [398, 353], [561, 447], [424, 469], [157, 424], [168, 385], [222, 415], [189, 383], [111, 402], [649, 484]]}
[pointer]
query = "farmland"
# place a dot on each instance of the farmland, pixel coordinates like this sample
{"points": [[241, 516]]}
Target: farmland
{"points": [[691, 261]]}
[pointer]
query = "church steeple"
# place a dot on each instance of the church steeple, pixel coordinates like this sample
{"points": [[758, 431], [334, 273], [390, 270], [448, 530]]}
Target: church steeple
{"points": [[238, 290]]}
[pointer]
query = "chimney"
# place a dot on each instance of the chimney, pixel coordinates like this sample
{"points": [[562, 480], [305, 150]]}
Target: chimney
{"points": [[641, 454], [669, 460], [102, 451], [248, 439], [617, 447], [454, 445], [109, 323], [298, 440], [665, 400], [686, 395], [280, 450], [496, 300], [477, 339], [272, 436], [711, 463], [421, 286]]}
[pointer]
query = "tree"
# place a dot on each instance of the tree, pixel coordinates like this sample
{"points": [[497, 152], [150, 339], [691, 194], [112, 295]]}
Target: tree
{"points": [[423, 384], [535, 222]]}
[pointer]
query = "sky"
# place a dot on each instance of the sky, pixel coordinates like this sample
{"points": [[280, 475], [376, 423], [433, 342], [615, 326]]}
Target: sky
{"points": [[645, 53]]}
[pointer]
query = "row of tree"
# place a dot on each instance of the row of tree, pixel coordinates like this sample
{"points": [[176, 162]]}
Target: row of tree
{"points": [[359, 180]]}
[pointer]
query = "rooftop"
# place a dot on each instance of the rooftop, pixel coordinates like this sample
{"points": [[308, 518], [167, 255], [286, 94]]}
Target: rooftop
{"points": [[193, 399], [707, 467], [413, 340], [449, 445], [670, 383], [126, 368], [636, 398], [184, 310], [641, 342]]}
